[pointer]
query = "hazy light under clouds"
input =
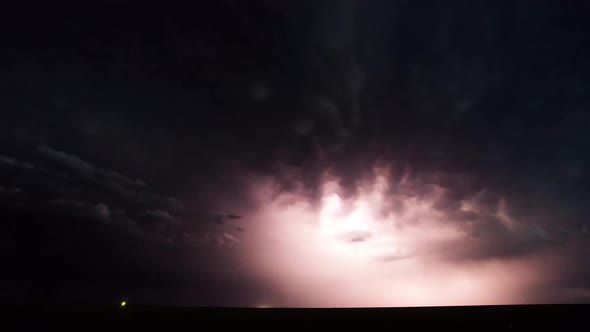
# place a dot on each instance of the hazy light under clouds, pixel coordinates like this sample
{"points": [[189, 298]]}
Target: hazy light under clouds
{"points": [[376, 248]]}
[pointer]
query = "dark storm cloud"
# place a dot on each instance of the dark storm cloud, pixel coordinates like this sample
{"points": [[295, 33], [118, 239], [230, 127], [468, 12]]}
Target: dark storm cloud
{"points": [[10, 191], [493, 230], [490, 239], [259, 91], [222, 216], [69, 161], [121, 178], [131, 190], [25, 167], [152, 226], [219, 239], [492, 226], [492, 233], [160, 222], [121, 203], [158, 214], [203, 227], [15, 163], [82, 167], [77, 208], [496, 91], [93, 195], [126, 204], [171, 203]]}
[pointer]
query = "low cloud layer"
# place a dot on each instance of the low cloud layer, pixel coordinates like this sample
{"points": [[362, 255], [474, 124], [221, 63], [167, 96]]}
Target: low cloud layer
{"points": [[75, 188]]}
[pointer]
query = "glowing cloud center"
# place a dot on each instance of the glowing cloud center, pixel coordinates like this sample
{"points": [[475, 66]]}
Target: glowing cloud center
{"points": [[375, 247], [355, 226], [334, 222]]}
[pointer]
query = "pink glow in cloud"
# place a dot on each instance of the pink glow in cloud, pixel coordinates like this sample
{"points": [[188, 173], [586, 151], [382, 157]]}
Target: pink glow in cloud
{"points": [[377, 247]]}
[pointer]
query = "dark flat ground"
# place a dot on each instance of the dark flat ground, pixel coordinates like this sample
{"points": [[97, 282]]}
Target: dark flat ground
{"points": [[135, 317]]}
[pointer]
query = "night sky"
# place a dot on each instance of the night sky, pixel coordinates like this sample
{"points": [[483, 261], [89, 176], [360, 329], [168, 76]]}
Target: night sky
{"points": [[295, 153]]}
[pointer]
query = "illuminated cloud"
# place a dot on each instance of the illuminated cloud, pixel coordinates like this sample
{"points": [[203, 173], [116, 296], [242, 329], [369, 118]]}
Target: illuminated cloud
{"points": [[376, 247]]}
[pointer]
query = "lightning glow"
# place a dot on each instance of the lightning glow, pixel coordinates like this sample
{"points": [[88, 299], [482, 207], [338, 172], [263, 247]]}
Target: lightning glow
{"points": [[378, 247]]}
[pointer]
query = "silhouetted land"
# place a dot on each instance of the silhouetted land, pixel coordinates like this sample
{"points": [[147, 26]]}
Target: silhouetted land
{"points": [[135, 317]]}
